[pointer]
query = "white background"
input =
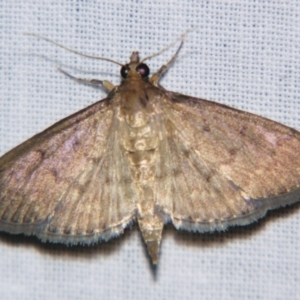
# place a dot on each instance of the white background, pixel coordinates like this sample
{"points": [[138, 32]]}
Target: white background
{"points": [[244, 53]]}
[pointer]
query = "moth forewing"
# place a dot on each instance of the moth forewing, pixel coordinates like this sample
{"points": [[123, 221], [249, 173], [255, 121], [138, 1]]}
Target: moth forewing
{"points": [[148, 155]]}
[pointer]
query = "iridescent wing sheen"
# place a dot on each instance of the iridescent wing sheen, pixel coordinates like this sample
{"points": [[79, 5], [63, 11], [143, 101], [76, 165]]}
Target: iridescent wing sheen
{"points": [[220, 166], [71, 183]]}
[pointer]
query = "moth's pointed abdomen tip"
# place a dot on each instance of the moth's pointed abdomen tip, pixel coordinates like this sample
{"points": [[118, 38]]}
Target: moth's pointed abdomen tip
{"points": [[153, 250], [154, 259]]}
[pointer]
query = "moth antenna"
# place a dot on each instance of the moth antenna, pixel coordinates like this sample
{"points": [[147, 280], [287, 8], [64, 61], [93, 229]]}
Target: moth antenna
{"points": [[156, 76], [71, 50], [180, 38]]}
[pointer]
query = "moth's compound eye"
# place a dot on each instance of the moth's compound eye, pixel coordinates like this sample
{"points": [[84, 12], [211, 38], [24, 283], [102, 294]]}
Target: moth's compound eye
{"points": [[143, 70], [124, 71]]}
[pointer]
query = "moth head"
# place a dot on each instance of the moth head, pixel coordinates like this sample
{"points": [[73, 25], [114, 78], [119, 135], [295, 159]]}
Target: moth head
{"points": [[135, 67]]}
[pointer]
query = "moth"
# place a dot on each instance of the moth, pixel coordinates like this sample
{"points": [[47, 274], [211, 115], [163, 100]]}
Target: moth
{"points": [[149, 155]]}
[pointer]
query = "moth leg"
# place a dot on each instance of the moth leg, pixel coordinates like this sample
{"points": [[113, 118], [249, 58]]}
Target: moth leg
{"points": [[106, 84], [156, 76]]}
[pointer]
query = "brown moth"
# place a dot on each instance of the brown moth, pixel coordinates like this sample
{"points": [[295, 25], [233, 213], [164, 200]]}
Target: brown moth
{"points": [[149, 155]]}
